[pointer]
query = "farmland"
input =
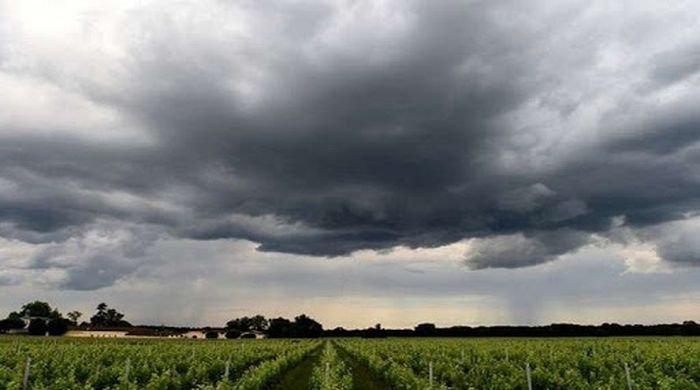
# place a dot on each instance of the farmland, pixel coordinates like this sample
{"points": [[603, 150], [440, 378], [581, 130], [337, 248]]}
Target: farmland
{"points": [[325, 364]]}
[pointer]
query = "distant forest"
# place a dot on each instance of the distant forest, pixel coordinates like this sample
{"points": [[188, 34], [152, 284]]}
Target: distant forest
{"points": [[687, 328], [40, 318], [283, 328]]}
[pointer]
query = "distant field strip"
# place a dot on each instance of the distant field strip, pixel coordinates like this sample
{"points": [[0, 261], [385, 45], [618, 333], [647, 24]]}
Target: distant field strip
{"points": [[586, 363], [59, 364], [344, 364]]}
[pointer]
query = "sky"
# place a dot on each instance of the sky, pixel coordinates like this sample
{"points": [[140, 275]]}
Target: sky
{"points": [[393, 162]]}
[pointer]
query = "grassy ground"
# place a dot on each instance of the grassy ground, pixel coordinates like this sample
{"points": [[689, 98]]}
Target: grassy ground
{"points": [[298, 377], [362, 378]]}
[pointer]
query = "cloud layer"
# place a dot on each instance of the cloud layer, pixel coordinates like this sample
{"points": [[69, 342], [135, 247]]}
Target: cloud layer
{"points": [[323, 128]]}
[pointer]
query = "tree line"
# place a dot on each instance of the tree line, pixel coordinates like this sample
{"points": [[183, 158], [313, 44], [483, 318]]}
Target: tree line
{"points": [[687, 328], [43, 319], [302, 326]]}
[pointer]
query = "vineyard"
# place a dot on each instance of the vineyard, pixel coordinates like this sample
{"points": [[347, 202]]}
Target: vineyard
{"points": [[344, 364]]}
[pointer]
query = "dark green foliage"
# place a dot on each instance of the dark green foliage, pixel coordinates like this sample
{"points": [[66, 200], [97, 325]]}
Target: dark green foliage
{"points": [[307, 327], [245, 324], [279, 328], [303, 327], [70, 363], [58, 326], [37, 312], [108, 317], [37, 327], [13, 321], [39, 309], [74, 316], [425, 329]]}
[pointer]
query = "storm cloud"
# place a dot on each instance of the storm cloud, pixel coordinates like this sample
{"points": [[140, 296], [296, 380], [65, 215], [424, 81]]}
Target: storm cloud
{"points": [[324, 128]]}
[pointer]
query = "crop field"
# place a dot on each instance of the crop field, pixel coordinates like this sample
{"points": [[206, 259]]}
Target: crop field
{"points": [[340, 364]]}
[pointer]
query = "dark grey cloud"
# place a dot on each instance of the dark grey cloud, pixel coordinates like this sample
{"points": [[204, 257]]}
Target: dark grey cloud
{"points": [[677, 63], [517, 250], [675, 241], [325, 128], [96, 255]]}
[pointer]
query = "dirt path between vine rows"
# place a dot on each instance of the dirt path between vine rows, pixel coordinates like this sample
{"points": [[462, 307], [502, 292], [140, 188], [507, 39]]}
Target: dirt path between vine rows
{"points": [[362, 377], [298, 377]]}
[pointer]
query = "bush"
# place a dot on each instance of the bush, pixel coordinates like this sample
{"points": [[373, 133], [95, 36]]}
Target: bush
{"points": [[232, 334], [57, 327], [425, 330], [212, 335], [37, 327], [11, 322]]}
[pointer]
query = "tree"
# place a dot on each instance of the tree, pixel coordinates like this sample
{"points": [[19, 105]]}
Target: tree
{"points": [[108, 317], [303, 326], [279, 328], [245, 324], [37, 327], [33, 310], [14, 321], [57, 326], [7, 324], [307, 327], [74, 316], [211, 335], [375, 332], [425, 329], [39, 309], [233, 334], [259, 322]]}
